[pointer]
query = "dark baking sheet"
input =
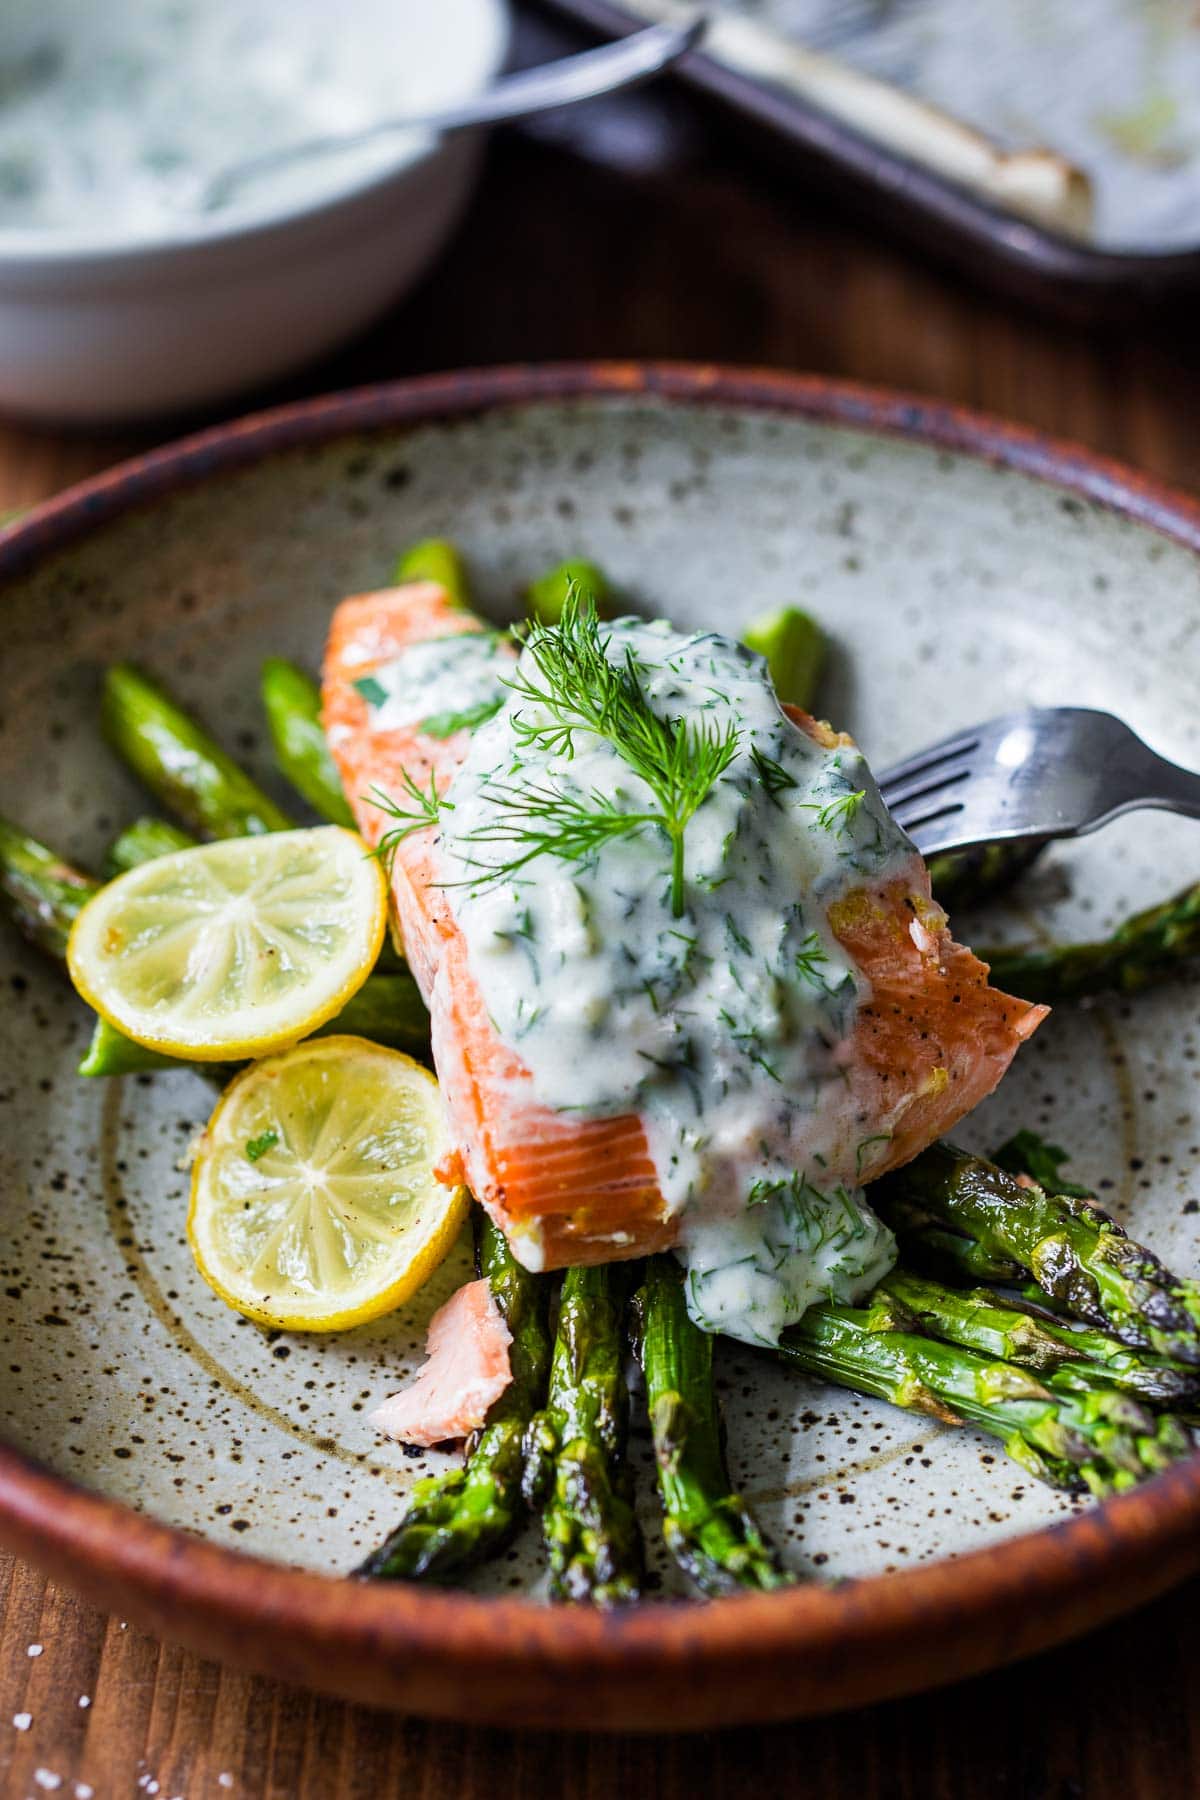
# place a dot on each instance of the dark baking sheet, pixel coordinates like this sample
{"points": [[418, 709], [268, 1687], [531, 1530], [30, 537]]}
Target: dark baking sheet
{"points": [[944, 220]]}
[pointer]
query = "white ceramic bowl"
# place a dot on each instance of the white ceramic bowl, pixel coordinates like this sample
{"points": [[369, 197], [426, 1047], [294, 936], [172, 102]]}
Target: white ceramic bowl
{"points": [[103, 325]]}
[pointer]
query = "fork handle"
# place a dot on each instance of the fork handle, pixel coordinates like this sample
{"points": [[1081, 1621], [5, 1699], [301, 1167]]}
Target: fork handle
{"points": [[1168, 787]]}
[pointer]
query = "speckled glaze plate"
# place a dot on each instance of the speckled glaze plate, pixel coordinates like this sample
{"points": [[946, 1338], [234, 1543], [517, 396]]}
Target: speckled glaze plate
{"points": [[208, 1478]]}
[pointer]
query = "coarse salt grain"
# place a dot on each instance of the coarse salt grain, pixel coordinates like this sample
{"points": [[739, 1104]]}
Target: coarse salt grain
{"points": [[225, 1780], [83, 1791], [33, 1649], [46, 1778], [22, 1721], [85, 1699]]}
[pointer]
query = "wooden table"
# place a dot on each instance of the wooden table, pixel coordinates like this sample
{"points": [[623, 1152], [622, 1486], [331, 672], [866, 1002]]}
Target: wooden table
{"points": [[718, 260]]}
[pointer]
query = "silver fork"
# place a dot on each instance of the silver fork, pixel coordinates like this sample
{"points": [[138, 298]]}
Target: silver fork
{"points": [[1050, 772]]}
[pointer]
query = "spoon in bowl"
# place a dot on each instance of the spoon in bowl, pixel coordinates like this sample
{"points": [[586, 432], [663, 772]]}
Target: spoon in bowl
{"points": [[584, 76]]}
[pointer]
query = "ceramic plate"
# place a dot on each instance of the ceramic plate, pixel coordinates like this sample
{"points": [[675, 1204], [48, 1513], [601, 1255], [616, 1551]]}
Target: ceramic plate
{"points": [[208, 1477]]}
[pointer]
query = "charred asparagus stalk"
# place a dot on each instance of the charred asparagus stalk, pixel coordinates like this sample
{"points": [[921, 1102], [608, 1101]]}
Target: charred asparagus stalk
{"points": [[576, 1467], [546, 597], [455, 1521], [183, 767], [142, 842], [436, 559], [1098, 1439], [934, 1249], [387, 1009], [795, 647], [1147, 947], [188, 772], [708, 1528], [42, 894], [1075, 1356], [292, 702], [1076, 1253]]}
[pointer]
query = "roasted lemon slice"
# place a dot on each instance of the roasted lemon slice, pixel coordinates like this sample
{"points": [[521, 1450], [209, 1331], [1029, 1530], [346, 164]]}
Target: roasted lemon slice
{"points": [[231, 950], [314, 1202]]}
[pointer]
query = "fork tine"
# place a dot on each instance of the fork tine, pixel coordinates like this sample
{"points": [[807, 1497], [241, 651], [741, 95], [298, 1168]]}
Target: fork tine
{"points": [[921, 788], [941, 830], [962, 743], [933, 821], [1031, 776]]}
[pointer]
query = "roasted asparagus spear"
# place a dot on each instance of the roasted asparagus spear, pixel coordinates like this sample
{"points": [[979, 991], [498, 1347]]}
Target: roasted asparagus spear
{"points": [[436, 559], [292, 702], [1147, 947], [546, 597], [1099, 1438], [1076, 1253], [708, 1527], [795, 648], [142, 842], [42, 894], [576, 1468], [457, 1520], [182, 766], [1078, 1356]]}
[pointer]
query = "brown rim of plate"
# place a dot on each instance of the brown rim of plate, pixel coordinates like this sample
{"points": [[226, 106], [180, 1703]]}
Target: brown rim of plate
{"points": [[661, 1665]]}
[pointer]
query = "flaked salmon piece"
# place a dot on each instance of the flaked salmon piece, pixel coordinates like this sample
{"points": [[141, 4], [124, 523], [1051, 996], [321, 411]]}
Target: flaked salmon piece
{"points": [[467, 1371], [930, 1044]]}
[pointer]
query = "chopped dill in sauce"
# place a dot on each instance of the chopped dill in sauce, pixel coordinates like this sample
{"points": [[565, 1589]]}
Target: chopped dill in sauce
{"points": [[643, 863]]}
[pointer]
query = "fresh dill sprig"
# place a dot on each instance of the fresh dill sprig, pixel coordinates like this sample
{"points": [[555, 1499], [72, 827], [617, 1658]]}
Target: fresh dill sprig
{"points": [[544, 820], [578, 688], [426, 809], [839, 812]]}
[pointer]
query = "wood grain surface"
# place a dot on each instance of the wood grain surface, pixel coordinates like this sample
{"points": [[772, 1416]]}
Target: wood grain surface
{"points": [[703, 254]]}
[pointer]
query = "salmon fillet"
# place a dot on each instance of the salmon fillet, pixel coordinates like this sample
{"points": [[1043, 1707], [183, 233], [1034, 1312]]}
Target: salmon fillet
{"points": [[467, 1371], [932, 1041]]}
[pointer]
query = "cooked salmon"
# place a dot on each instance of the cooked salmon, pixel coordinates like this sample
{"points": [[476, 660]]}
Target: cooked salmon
{"points": [[466, 1372], [933, 1039]]}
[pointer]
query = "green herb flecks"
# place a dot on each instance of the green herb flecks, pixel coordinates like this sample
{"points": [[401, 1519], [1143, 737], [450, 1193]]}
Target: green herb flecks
{"points": [[774, 777], [811, 959], [578, 688], [863, 1156], [258, 1146], [426, 809], [838, 815], [445, 724], [372, 691]]}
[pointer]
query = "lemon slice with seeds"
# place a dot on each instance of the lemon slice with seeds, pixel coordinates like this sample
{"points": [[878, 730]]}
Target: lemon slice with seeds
{"points": [[314, 1203], [230, 950]]}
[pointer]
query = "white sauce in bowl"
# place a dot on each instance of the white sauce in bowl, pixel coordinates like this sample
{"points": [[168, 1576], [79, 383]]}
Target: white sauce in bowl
{"points": [[112, 115]]}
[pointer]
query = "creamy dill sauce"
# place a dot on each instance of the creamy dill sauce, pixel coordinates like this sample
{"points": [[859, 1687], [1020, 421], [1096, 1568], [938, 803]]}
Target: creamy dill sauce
{"points": [[727, 1028], [446, 680], [111, 115]]}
